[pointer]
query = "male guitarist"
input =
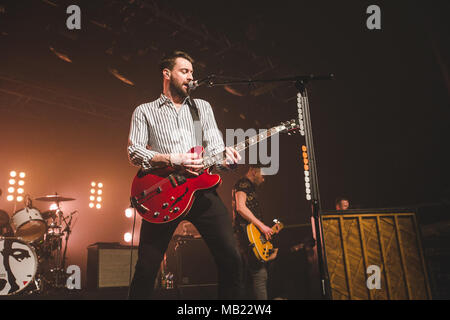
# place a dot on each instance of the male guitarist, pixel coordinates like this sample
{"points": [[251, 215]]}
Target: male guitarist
{"points": [[246, 210], [161, 133]]}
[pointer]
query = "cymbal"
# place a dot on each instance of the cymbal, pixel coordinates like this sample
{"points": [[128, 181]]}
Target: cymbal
{"points": [[54, 198]]}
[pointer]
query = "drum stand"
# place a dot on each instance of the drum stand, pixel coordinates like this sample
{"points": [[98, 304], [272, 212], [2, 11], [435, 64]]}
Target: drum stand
{"points": [[55, 277], [60, 276]]}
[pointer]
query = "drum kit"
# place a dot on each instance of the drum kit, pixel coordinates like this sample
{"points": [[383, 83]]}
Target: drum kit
{"points": [[32, 255]]}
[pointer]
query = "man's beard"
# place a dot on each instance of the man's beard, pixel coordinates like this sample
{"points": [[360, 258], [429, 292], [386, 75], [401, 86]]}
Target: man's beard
{"points": [[177, 90]]}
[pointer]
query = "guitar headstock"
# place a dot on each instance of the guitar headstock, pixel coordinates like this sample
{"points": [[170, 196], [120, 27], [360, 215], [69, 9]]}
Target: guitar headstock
{"points": [[290, 127], [277, 226]]}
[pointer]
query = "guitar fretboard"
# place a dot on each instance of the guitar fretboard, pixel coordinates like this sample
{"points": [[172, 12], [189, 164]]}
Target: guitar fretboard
{"points": [[263, 135]]}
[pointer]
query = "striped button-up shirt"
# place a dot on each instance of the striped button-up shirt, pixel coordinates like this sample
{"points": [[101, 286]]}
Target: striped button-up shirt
{"points": [[157, 127]]}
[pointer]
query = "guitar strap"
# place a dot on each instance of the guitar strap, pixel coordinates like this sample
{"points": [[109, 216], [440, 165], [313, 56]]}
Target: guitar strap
{"points": [[197, 124]]}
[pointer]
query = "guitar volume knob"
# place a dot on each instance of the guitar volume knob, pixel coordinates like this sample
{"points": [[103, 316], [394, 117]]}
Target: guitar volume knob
{"points": [[156, 214], [165, 205], [176, 209], [166, 218]]}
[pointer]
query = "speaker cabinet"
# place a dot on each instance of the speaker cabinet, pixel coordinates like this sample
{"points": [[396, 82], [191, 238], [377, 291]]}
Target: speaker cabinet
{"points": [[354, 240], [109, 265], [190, 260]]}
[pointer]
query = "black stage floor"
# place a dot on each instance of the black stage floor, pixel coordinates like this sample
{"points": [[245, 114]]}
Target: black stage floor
{"points": [[205, 292]]}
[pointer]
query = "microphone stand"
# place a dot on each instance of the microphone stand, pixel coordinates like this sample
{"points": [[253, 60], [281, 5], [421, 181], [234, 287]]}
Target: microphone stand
{"points": [[306, 130], [209, 81], [314, 183]]}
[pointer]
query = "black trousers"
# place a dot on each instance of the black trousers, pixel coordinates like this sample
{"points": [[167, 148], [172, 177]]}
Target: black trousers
{"points": [[211, 218]]}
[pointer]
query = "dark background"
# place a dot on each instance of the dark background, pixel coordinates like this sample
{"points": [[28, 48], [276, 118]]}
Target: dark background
{"points": [[381, 128]]}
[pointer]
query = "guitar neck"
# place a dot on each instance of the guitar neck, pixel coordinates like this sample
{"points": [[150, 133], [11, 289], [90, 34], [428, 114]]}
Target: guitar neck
{"points": [[218, 158]]}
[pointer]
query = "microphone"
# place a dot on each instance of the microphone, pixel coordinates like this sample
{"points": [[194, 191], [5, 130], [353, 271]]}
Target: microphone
{"points": [[197, 83]]}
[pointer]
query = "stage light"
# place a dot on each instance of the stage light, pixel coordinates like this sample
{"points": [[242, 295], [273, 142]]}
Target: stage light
{"points": [[16, 192], [306, 171], [128, 212], [53, 206], [119, 76], [94, 197], [300, 115], [127, 237], [61, 55]]}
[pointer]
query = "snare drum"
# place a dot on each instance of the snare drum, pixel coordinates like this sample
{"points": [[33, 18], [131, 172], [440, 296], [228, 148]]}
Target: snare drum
{"points": [[18, 265], [28, 224]]}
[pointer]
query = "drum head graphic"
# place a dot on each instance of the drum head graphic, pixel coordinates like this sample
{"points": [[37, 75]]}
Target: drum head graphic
{"points": [[18, 264]]}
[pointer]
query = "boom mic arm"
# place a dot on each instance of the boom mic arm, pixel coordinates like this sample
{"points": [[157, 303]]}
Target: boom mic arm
{"points": [[194, 84]]}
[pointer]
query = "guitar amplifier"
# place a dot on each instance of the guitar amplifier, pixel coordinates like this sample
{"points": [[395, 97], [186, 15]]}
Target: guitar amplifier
{"points": [[359, 242], [108, 265], [190, 260]]}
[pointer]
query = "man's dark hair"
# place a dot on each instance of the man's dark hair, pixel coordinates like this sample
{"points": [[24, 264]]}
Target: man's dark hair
{"points": [[339, 199], [168, 61]]}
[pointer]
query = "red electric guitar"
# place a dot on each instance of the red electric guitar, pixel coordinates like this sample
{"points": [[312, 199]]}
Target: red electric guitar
{"points": [[163, 195]]}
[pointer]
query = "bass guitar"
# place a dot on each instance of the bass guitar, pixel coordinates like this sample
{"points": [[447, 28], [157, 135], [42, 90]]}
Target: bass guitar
{"points": [[165, 194]]}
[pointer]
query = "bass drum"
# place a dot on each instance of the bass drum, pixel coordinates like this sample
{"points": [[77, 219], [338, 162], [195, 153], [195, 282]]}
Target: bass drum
{"points": [[18, 265], [28, 224]]}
